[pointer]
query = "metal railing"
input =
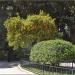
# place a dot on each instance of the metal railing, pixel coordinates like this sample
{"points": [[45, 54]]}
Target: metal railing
{"points": [[45, 69]]}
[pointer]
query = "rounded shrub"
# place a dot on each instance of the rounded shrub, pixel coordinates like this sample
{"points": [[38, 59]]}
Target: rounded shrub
{"points": [[52, 51]]}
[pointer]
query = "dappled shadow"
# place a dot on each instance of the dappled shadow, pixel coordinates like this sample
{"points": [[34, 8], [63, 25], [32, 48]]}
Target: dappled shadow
{"points": [[8, 64]]}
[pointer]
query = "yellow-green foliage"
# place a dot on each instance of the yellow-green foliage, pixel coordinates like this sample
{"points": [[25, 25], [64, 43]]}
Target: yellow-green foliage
{"points": [[21, 32], [42, 26], [14, 27]]}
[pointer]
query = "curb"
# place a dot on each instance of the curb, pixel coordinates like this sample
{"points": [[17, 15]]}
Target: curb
{"points": [[19, 66]]}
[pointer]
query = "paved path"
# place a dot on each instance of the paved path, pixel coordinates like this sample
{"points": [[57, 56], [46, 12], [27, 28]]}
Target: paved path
{"points": [[12, 68]]}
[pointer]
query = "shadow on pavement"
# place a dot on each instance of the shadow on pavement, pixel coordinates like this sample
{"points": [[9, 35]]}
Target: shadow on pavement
{"points": [[5, 64]]}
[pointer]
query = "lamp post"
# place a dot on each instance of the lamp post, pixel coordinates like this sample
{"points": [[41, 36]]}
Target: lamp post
{"points": [[9, 10], [67, 30]]}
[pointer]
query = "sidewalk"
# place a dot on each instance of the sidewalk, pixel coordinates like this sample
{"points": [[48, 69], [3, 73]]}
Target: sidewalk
{"points": [[12, 68]]}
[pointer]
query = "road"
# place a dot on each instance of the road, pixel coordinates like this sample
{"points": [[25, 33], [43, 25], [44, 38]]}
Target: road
{"points": [[12, 68]]}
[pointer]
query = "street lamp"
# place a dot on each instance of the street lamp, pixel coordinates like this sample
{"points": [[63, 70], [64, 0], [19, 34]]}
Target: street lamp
{"points": [[9, 10], [67, 30]]}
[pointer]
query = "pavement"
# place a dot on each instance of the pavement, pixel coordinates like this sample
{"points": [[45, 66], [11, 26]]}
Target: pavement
{"points": [[13, 68]]}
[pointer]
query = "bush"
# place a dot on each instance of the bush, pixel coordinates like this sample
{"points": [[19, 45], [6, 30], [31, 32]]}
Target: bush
{"points": [[52, 51], [41, 26], [21, 32], [14, 30]]}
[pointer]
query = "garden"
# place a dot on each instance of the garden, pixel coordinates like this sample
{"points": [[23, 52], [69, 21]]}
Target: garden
{"points": [[39, 31], [41, 41]]}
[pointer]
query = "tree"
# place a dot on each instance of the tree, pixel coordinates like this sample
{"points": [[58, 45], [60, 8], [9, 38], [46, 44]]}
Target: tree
{"points": [[21, 32]]}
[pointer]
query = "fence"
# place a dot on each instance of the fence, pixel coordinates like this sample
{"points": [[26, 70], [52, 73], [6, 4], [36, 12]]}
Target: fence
{"points": [[44, 69]]}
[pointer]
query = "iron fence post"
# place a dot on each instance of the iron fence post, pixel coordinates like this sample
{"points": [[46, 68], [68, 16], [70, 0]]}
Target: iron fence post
{"points": [[43, 69], [72, 68]]}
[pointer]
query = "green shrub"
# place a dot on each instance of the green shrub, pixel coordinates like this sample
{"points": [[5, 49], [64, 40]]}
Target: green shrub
{"points": [[41, 26], [52, 51], [21, 32], [14, 30]]}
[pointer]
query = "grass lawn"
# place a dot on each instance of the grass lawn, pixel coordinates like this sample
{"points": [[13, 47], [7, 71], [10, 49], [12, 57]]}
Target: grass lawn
{"points": [[40, 72]]}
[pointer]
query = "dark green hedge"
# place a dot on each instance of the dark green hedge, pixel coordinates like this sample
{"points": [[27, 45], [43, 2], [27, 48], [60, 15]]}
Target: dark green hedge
{"points": [[52, 51]]}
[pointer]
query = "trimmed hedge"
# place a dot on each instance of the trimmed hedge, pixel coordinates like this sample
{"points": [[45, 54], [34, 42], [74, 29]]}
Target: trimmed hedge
{"points": [[52, 51]]}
